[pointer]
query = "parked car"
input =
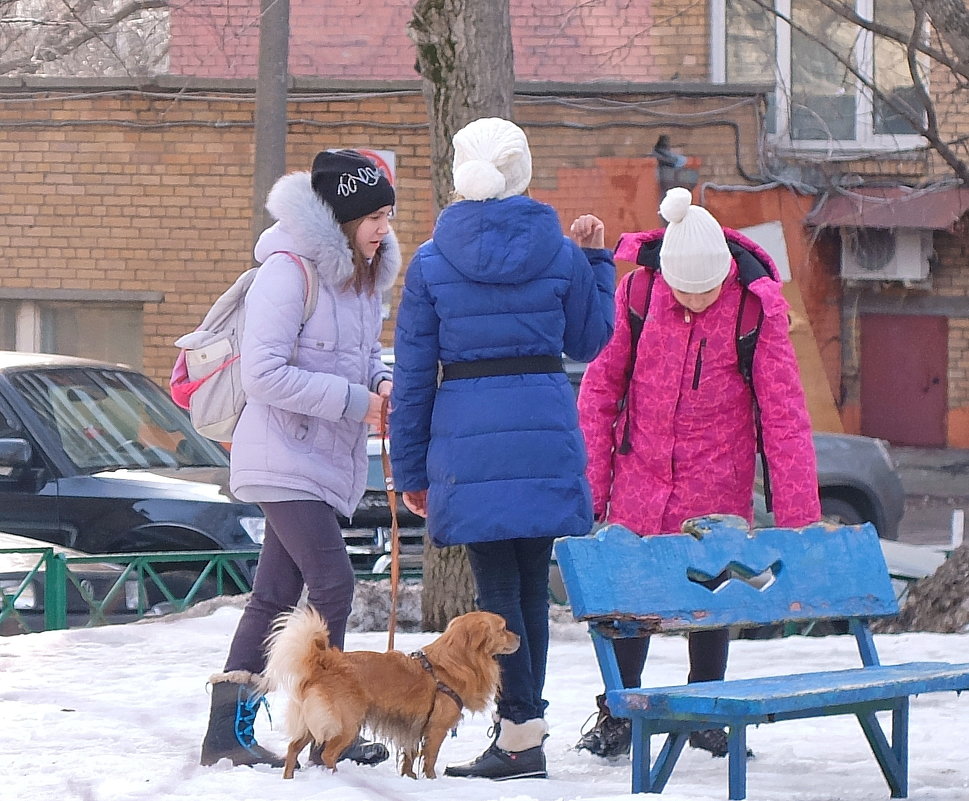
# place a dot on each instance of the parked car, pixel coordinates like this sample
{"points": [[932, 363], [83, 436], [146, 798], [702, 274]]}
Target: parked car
{"points": [[97, 579], [367, 535], [96, 457]]}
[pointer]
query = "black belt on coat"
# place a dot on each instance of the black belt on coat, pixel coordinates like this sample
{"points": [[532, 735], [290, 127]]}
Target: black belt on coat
{"points": [[513, 365]]}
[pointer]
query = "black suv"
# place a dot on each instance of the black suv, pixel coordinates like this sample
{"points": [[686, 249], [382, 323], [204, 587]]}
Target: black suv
{"points": [[95, 456]]}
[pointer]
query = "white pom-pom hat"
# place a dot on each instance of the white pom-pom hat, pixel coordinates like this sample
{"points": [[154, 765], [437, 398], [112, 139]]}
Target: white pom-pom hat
{"points": [[694, 257], [491, 160]]}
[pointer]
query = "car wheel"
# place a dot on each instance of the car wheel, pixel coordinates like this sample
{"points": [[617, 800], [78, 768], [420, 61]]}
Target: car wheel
{"points": [[179, 582], [836, 510]]}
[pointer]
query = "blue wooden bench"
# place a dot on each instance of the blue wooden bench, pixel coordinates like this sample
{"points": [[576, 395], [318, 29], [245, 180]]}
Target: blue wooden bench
{"points": [[720, 574]]}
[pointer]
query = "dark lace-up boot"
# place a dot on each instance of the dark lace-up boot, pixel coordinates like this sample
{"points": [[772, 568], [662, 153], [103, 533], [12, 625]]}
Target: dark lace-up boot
{"points": [[609, 736], [363, 752], [235, 702], [714, 741]]}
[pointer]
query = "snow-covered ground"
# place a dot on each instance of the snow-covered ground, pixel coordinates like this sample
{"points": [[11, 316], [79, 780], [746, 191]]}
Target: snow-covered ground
{"points": [[118, 713]]}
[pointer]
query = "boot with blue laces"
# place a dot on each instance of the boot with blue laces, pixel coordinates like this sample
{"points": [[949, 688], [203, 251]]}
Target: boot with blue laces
{"points": [[235, 701]]}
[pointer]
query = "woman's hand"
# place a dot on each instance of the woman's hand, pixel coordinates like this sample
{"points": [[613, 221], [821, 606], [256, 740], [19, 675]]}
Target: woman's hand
{"points": [[588, 231], [416, 502], [375, 410]]}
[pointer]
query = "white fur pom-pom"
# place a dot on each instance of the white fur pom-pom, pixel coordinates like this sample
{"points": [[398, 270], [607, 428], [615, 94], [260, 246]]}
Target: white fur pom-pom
{"points": [[676, 204], [478, 180]]}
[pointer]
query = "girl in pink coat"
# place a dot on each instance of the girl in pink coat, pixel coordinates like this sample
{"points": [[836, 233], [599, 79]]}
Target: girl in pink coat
{"points": [[688, 419]]}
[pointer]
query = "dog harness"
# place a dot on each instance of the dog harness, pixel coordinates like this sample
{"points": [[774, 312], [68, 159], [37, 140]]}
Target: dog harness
{"points": [[421, 657]]}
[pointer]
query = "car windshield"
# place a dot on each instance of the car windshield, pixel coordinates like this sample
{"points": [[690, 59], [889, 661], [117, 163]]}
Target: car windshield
{"points": [[109, 419]]}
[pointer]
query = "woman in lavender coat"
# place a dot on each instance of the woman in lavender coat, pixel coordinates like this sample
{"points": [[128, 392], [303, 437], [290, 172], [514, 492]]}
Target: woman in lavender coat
{"points": [[299, 449]]}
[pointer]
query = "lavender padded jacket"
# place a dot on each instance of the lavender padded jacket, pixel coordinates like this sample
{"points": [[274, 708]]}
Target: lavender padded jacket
{"points": [[307, 391], [691, 414]]}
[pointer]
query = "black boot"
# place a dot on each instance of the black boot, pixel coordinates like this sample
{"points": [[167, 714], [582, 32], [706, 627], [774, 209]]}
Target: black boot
{"points": [[714, 741], [235, 701], [516, 753], [609, 737], [360, 751]]}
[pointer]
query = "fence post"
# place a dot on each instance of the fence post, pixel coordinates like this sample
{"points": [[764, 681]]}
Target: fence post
{"points": [[55, 592]]}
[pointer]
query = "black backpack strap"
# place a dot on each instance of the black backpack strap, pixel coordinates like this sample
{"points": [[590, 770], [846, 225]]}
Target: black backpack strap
{"points": [[750, 318], [637, 308]]}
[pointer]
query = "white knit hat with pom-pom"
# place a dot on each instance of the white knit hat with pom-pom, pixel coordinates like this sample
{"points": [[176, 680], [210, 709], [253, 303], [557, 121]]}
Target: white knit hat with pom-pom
{"points": [[491, 160], [694, 257]]}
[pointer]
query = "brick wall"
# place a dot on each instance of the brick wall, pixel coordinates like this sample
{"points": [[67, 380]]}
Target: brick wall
{"points": [[950, 279], [149, 191]]}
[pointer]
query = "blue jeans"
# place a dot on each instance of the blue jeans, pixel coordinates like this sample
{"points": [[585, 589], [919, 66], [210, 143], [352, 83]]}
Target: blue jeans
{"points": [[303, 545], [511, 577]]}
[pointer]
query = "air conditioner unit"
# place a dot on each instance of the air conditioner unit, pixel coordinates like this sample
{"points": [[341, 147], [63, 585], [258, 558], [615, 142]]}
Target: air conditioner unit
{"points": [[885, 254]]}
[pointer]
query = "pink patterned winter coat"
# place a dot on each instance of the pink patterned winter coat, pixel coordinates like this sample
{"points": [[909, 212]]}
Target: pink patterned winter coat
{"points": [[691, 422]]}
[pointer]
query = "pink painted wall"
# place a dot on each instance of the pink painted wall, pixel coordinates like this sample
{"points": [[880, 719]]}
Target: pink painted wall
{"points": [[367, 39]]}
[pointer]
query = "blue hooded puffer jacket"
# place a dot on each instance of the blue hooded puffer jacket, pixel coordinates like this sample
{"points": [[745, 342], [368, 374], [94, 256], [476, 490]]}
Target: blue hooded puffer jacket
{"points": [[501, 456]]}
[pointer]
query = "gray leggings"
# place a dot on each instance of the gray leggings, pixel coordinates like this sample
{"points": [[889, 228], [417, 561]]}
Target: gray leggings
{"points": [[303, 545]]}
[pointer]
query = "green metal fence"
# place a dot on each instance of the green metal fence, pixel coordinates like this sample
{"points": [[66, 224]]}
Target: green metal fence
{"points": [[208, 573]]}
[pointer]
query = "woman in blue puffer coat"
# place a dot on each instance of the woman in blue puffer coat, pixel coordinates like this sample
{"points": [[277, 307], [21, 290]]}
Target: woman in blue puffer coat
{"points": [[493, 455]]}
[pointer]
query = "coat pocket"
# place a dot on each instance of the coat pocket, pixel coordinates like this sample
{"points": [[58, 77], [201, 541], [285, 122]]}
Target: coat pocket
{"points": [[297, 432]]}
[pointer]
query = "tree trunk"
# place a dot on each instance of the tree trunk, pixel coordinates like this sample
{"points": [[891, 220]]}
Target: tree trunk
{"points": [[448, 586], [272, 85], [466, 63]]}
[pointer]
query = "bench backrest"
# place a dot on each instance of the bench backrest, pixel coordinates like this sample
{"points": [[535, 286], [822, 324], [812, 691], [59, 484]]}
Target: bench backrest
{"points": [[775, 575]]}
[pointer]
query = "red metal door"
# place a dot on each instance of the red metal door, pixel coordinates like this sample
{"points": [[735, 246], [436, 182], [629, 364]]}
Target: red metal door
{"points": [[903, 378]]}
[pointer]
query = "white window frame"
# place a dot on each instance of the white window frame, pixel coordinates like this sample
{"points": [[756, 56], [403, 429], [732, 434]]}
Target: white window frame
{"points": [[866, 140]]}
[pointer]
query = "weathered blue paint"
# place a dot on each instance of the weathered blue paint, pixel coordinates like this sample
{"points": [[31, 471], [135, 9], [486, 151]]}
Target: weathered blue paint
{"points": [[622, 584]]}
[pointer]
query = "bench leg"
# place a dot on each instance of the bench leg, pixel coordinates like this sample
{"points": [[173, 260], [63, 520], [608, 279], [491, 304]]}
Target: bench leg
{"points": [[651, 777], [639, 754], [737, 761], [892, 759], [666, 759]]}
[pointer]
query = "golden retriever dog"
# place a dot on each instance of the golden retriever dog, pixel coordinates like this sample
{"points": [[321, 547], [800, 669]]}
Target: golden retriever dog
{"points": [[411, 700]]}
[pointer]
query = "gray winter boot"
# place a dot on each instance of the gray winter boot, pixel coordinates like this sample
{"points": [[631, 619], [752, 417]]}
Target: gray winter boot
{"points": [[235, 701]]}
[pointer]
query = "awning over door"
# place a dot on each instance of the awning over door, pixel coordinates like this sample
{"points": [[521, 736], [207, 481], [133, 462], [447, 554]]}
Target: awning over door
{"points": [[891, 207]]}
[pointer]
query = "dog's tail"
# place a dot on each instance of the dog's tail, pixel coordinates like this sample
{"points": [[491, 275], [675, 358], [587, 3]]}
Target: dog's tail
{"points": [[299, 640], [298, 651]]}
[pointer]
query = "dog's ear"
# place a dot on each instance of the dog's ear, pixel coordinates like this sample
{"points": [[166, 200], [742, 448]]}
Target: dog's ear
{"points": [[470, 632]]}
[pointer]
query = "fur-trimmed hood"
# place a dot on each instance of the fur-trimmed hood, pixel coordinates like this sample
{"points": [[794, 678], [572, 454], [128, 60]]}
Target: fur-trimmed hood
{"points": [[308, 227]]}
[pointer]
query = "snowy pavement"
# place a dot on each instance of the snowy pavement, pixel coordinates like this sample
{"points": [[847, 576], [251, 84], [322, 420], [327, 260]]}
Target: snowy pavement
{"points": [[118, 713]]}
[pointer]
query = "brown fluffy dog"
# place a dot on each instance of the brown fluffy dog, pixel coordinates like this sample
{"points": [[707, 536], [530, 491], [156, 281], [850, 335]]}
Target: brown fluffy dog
{"points": [[410, 701]]}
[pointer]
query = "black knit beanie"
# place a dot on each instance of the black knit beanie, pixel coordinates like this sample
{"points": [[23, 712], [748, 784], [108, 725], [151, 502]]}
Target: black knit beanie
{"points": [[350, 184]]}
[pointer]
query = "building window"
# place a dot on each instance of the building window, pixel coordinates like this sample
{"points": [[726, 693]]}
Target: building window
{"points": [[111, 332], [820, 63]]}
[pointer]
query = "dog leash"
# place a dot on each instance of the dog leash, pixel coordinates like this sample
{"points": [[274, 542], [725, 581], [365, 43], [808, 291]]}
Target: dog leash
{"points": [[394, 530]]}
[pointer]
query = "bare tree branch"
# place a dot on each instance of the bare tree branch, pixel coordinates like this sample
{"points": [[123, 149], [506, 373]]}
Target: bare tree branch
{"points": [[56, 35], [914, 42]]}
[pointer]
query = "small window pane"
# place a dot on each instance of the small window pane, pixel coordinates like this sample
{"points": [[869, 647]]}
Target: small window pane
{"points": [[109, 332], [823, 101], [751, 48], [892, 75]]}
